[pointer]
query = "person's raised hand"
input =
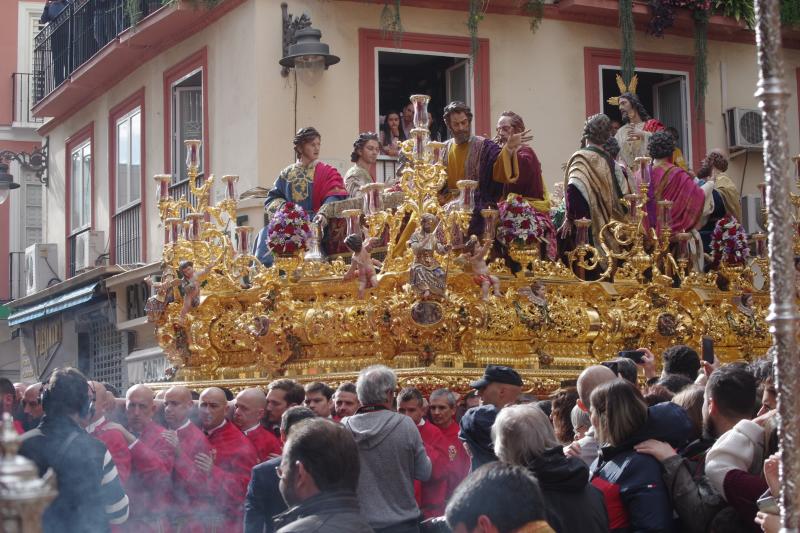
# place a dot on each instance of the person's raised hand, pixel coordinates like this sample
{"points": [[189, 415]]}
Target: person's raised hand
{"points": [[566, 228], [648, 363], [171, 437], [573, 450], [204, 462], [770, 523], [761, 420], [517, 139], [658, 449], [771, 466]]}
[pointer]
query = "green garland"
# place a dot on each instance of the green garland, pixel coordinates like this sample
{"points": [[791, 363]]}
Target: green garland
{"points": [[627, 30], [477, 9], [535, 10], [790, 13], [390, 21], [700, 57]]}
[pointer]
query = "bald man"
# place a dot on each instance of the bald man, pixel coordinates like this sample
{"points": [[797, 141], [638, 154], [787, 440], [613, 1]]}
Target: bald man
{"points": [[190, 495], [229, 463], [152, 457], [32, 405], [99, 427], [249, 408], [592, 377]]}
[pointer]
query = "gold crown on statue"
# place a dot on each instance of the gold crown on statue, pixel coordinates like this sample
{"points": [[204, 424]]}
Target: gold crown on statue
{"points": [[630, 88]]}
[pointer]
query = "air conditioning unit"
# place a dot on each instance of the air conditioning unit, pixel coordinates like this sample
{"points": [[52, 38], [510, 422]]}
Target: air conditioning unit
{"points": [[744, 128], [41, 260], [89, 245], [751, 214]]}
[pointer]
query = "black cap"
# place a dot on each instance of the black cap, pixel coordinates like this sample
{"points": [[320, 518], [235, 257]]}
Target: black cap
{"points": [[497, 374]]}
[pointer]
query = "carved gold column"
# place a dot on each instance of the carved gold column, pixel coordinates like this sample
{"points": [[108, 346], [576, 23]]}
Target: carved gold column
{"points": [[772, 95]]}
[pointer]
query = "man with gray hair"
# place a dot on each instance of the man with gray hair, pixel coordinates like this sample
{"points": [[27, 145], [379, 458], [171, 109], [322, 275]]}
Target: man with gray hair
{"points": [[391, 454], [442, 408]]}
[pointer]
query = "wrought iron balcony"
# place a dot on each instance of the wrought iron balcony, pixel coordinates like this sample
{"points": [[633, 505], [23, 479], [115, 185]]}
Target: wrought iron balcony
{"points": [[23, 98]]}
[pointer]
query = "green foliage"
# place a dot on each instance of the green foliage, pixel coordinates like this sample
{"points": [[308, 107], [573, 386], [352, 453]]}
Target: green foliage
{"points": [[740, 10], [390, 21], [627, 30], [535, 10], [790, 12], [477, 10], [700, 60]]}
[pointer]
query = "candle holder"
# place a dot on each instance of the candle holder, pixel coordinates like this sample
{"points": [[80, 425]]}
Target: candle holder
{"points": [[243, 239], [194, 226], [490, 218], [761, 258], [420, 138], [436, 152], [643, 164], [372, 195], [420, 103], [230, 186], [193, 154], [466, 195], [314, 251], [583, 250], [762, 206], [582, 231], [174, 226], [353, 218], [683, 254], [632, 201]]}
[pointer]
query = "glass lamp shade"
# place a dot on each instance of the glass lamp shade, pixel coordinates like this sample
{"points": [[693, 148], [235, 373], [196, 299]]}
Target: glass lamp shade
{"points": [[6, 182], [309, 68], [4, 195]]}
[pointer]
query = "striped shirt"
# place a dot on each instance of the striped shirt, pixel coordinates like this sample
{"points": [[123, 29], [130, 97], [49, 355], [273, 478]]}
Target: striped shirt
{"points": [[115, 499]]}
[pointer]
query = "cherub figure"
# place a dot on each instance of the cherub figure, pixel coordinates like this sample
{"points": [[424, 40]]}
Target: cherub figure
{"points": [[475, 253], [362, 265], [190, 284], [162, 295]]}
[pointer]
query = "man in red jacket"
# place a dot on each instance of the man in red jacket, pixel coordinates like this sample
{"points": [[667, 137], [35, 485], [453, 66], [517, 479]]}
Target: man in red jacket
{"points": [[442, 408], [152, 457], [100, 428], [228, 465], [432, 494], [249, 408], [190, 492]]}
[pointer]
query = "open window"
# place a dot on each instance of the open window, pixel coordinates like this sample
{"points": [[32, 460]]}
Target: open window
{"points": [[664, 94], [187, 120]]}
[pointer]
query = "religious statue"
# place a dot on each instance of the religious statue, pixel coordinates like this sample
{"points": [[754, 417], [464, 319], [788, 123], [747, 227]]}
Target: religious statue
{"points": [[365, 153], [362, 265], [308, 183], [690, 201], [724, 195], [475, 254], [591, 190], [190, 284], [470, 157], [632, 136], [529, 184], [427, 276], [162, 295]]}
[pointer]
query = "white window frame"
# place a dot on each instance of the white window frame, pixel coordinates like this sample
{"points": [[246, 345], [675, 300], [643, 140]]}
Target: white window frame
{"points": [[178, 150], [119, 208], [84, 151], [689, 111], [28, 15]]}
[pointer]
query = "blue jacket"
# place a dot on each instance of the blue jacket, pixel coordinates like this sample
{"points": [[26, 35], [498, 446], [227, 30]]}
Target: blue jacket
{"points": [[264, 498], [632, 483]]}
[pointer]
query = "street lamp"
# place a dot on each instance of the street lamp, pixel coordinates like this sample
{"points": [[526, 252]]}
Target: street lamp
{"points": [[6, 182], [303, 48]]}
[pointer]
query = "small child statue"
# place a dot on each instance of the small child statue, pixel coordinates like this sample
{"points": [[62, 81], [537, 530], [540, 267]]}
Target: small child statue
{"points": [[362, 265], [476, 255]]}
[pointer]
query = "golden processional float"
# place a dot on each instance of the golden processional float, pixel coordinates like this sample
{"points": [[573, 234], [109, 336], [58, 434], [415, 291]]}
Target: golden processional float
{"points": [[237, 323]]}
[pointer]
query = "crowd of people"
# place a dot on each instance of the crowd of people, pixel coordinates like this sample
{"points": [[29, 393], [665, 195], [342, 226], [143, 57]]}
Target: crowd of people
{"points": [[623, 449]]}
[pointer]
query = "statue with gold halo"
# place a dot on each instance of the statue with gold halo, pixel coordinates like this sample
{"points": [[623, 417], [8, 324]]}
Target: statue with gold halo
{"points": [[427, 278]]}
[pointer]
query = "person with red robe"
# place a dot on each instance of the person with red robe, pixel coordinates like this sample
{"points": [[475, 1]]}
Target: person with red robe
{"points": [[431, 495], [228, 466], [149, 485], [690, 201], [100, 428], [442, 409], [249, 408], [190, 508], [308, 183]]}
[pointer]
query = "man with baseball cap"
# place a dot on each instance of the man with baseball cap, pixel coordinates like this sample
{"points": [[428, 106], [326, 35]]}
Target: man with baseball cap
{"points": [[499, 386]]}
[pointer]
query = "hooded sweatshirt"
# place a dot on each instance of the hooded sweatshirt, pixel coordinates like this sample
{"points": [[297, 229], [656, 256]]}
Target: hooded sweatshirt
{"points": [[573, 503], [392, 456]]}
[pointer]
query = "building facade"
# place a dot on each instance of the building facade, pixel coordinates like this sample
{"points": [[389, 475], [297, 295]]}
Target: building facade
{"points": [[130, 92]]}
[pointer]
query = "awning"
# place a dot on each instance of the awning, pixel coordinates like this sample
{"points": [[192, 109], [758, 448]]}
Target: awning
{"points": [[146, 365], [4, 312], [54, 305]]}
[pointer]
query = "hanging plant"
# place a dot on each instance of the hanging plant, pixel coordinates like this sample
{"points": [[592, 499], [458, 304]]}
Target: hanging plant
{"points": [[477, 10], [663, 17], [700, 58], [627, 30], [740, 10], [790, 13], [390, 21], [535, 10]]}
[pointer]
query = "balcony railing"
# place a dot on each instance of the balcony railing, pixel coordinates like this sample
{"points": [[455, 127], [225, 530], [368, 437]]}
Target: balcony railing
{"points": [[22, 98], [77, 34], [128, 244]]}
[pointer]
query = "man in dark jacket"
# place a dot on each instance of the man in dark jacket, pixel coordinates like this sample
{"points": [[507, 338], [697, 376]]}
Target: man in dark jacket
{"points": [[319, 476], [263, 495], [90, 495]]}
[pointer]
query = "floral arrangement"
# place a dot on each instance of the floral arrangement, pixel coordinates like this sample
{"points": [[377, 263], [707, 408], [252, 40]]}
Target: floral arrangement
{"points": [[288, 230], [519, 222], [729, 242], [663, 13]]}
